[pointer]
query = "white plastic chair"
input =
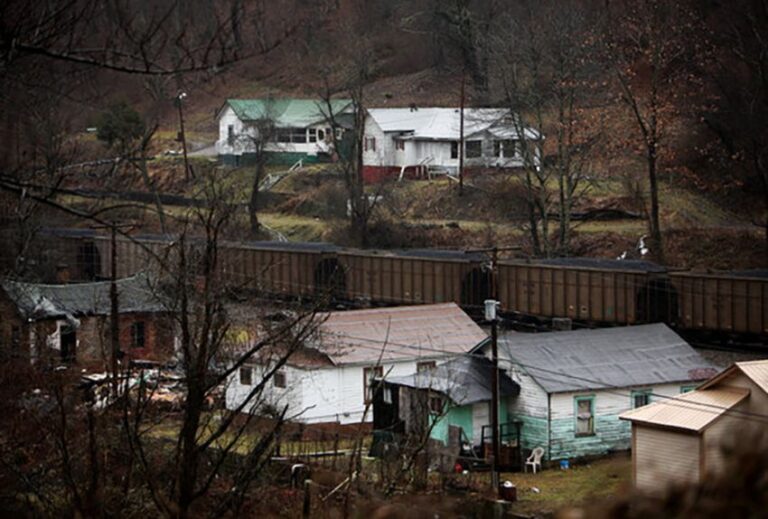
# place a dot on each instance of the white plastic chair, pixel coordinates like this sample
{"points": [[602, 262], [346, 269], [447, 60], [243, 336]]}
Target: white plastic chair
{"points": [[534, 459]]}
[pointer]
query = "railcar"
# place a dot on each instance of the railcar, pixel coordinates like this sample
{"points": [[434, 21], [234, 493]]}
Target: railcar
{"points": [[732, 302], [586, 289], [415, 276]]}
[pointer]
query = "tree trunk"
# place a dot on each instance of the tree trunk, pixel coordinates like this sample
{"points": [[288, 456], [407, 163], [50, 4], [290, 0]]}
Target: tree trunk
{"points": [[253, 206], [654, 223]]}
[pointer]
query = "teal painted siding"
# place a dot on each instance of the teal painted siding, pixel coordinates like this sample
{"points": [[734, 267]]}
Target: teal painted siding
{"points": [[611, 434], [460, 416], [533, 432]]}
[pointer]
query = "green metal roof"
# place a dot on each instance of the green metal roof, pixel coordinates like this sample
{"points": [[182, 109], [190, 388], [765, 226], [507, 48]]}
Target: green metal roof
{"points": [[286, 113]]}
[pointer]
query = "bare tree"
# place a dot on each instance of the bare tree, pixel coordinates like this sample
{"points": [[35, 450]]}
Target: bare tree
{"points": [[654, 58], [542, 53]]}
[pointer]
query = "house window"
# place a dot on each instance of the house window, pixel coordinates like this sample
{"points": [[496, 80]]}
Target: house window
{"points": [[312, 135], [387, 395], [370, 143], [279, 379], [369, 377], [400, 145], [687, 389], [425, 366], [585, 415], [297, 135], [339, 133], [320, 134], [641, 398], [436, 404], [473, 149], [454, 149], [504, 148], [246, 376], [138, 334], [231, 134]]}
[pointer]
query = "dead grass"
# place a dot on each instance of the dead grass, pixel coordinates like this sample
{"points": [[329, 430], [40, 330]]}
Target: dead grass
{"points": [[581, 484]]}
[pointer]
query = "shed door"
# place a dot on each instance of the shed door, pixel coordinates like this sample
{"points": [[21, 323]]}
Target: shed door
{"points": [[664, 458]]}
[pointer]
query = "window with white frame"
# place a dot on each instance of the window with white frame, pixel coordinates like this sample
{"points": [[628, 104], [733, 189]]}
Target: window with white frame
{"points": [[427, 365], [369, 376], [454, 149], [279, 379], [246, 376], [230, 134], [370, 144]]}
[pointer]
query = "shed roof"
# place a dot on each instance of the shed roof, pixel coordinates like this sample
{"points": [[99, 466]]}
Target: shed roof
{"points": [[286, 113], [755, 370], [38, 301], [397, 333], [445, 123], [628, 356], [692, 411], [465, 379]]}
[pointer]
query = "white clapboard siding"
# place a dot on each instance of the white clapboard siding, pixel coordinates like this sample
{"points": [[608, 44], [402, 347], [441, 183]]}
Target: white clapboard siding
{"points": [[663, 457]]}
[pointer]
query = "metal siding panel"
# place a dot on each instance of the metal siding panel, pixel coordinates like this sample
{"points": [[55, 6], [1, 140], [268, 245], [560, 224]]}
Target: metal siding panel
{"points": [[583, 309]]}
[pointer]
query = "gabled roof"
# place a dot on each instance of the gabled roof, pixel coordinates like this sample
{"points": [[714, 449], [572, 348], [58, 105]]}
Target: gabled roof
{"points": [[445, 123], [465, 380], [38, 301], [397, 333], [692, 411], [286, 113], [628, 356], [755, 370]]}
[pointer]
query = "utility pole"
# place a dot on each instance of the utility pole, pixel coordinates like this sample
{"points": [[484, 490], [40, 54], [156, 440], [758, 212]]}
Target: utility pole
{"points": [[114, 314], [461, 135], [491, 307], [182, 136]]}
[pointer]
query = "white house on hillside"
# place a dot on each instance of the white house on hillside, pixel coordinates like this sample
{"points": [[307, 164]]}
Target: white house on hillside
{"points": [[301, 129], [330, 380], [399, 140]]}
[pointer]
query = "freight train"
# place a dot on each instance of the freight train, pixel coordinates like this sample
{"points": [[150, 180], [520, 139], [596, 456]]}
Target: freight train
{"points": [[722, 306]]}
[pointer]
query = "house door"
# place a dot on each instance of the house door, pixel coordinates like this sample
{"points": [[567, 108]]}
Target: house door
{"points": [[68, 344]]}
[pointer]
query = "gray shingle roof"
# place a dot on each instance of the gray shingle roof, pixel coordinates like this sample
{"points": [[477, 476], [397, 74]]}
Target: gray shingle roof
{"points": [[38, 301], [629, 356], [465, 379]]}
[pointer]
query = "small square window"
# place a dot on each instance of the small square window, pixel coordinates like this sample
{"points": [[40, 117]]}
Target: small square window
{"points": [[641, 398], [279, 379], [246, 376], [425, 366], [473, 149]]}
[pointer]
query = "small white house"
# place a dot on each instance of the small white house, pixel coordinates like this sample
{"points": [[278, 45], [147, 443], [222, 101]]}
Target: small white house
{"points": [[301, 129], [400, 140], [575, 384], [680, 440], [330, 379]]}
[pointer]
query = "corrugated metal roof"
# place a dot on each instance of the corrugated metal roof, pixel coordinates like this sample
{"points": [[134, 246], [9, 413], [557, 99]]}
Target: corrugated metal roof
{"points": [[465, 380], [628, 356], [363, 336], [39, 301], [286, 113], [444, 123], [692, 411]]}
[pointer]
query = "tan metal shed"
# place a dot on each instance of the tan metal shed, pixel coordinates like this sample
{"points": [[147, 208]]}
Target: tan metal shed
{"points": [[677, 441]]}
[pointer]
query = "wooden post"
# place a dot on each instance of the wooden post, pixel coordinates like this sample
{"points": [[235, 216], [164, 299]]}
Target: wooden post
{"points": [[307, 508]]}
